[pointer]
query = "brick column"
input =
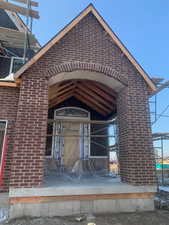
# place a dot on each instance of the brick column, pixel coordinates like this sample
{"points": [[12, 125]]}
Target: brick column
{"points": [[30, 133], [136, 156]]}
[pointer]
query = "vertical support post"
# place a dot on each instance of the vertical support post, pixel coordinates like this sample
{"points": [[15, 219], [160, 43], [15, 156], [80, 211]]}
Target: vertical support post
{"points": [[162, 161], [137, 161], [30, 133], [155, 108]]}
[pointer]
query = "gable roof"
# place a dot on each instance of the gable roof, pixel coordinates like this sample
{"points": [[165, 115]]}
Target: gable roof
{"points": [[70, 26]]}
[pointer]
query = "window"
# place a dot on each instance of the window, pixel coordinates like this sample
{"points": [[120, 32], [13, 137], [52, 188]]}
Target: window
{"points": [[99, 145], [16, 63], [71, 112], [3, 126]]}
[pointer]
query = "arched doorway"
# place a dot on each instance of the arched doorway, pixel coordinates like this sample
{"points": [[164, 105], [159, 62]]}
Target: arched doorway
{"points": [[79, 109]]}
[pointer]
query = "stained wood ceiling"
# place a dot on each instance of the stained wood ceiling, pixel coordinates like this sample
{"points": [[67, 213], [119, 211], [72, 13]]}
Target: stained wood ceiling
{"points": [[97, 96]]}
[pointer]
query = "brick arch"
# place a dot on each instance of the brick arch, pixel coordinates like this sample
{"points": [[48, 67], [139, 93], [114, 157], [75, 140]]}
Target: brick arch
{"points": [[95, 67]]}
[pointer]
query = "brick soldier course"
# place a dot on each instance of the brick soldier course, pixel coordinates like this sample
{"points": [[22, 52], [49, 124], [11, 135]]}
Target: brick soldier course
{"points": [[87, 47]]}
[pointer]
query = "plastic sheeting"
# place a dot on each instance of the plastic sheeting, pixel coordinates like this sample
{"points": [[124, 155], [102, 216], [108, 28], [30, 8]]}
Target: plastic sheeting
{"points": [[3, 214]]}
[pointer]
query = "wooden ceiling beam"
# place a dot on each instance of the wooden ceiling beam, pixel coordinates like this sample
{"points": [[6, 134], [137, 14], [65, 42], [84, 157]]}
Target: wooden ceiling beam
{"points": [[58, 87], [107, 89], [90, 104], [100, 92], [88, 91], [58, 93], [86, 96], [60, 99]]}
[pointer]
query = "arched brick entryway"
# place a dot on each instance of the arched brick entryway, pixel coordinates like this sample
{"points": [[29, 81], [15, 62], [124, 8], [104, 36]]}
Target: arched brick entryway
{"points": [[31, 124], [95, 67], [135, 143]]}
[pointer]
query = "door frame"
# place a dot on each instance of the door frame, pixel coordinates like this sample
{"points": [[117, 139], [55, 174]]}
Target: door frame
{"points": [[71, 118]]}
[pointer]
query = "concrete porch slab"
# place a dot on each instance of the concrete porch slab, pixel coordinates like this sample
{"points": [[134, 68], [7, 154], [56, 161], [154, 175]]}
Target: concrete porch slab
{"points": [[113, 187], [81, 197]]}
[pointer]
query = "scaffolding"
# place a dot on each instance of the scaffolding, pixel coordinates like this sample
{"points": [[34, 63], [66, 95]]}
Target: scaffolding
{"points": [[160, 138], [11, 39], [85, 164]]}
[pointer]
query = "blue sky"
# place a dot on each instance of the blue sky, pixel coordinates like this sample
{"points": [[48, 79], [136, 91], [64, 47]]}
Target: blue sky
{"points": [[143, 27]]}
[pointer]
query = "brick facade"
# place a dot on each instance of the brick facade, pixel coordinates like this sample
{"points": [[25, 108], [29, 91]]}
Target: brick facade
{"points": [[30, 130], [86, 47], [137, 160], [8, 111]]}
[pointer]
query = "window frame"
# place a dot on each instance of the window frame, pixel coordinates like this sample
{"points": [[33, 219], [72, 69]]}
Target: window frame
{"points": [[3, 145], [12, 63], [70, 117]]}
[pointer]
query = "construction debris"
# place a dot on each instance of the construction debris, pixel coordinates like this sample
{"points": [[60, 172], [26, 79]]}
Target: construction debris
{"points": [[3, 214], [162, 199], [80, 218]]}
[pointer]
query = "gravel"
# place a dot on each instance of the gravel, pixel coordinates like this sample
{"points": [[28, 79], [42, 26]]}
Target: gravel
{"points": [[158, 217]]}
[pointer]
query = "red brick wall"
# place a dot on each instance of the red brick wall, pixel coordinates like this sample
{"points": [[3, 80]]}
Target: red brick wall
{"points": [[30, 138], [137, 163], [87, 46], [8, 111]]}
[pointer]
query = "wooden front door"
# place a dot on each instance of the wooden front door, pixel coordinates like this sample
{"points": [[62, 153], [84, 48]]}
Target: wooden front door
{"points": [[71, 151]]}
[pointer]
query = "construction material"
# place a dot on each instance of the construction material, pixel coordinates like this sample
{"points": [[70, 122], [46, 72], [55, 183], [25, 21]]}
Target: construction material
{"points": [[19, 9], [32, 3], [83, 121], [3, 214], [162, 87], [18, 45], [162, 173], [14, 34]]}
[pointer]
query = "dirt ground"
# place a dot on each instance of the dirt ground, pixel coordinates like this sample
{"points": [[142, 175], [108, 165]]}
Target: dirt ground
{"points": [[159, 217]]}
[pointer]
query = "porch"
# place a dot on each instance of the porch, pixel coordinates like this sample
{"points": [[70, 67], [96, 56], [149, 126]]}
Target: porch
{"points": [[63, 199]]}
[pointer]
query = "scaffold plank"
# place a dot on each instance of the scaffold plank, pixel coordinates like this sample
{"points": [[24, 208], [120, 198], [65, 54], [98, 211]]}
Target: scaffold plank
{"points": [[10, 33], [19, 9], [32, 3]]}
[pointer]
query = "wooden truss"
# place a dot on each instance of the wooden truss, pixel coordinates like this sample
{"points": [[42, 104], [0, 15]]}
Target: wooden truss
{"points": [[97, 96]]}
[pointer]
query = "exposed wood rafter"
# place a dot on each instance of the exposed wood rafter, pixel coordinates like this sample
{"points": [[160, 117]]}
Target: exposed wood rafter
{"points": [[88, 92], [92, 100], [60, 99], [57, 88], [90, 104], [106, 89], [101, 93]]}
